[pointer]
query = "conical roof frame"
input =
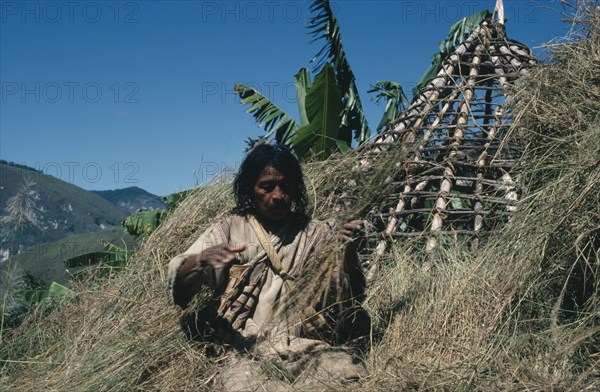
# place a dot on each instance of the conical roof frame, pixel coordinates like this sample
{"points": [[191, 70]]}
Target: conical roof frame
{"points": [[456, 179]]}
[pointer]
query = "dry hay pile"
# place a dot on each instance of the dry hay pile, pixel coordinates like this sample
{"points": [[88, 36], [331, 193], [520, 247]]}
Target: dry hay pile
{"points": [[522, 313], [124, 333], [121, 334]]}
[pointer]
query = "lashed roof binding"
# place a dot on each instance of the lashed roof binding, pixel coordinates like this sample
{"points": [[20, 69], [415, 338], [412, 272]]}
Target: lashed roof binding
{"points": [[455, 178]]}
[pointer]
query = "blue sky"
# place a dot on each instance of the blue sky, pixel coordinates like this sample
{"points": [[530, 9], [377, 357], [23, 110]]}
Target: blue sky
{"points": [[113, 94]]}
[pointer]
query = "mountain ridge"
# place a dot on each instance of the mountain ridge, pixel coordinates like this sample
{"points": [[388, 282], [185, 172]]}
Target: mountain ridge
{"points": [[132, 199]]}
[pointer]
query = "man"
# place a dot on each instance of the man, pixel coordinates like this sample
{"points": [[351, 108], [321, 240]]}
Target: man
{"points": [[262, 257]]}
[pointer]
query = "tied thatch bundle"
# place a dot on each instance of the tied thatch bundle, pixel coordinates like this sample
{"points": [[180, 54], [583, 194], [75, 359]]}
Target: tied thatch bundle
{"points": [[521, 313]]}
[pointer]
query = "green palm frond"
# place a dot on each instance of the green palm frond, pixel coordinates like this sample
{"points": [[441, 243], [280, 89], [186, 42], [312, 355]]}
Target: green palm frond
{"points": [[324, 26], [268, 115], [395, 100]]}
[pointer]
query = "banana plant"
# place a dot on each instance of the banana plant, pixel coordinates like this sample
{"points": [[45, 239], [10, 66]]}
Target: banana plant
{"points": [[99, 264], [330, 111], [320, 104], [143, 223], [48, 296], [113, 257]]}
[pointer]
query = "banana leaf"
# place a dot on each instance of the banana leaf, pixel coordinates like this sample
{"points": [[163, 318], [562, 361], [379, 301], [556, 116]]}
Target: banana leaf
{"points": [[324, 26], [144, 222], [58, 290], [33, 296], [174, 199], [113, 256], [323, 105], [268, 115], [42, 296], [87, 259], [303, 84]]}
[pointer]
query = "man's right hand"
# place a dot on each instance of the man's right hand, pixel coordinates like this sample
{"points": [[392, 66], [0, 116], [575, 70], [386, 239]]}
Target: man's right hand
{"points": [[218, 256], [208, 267]]}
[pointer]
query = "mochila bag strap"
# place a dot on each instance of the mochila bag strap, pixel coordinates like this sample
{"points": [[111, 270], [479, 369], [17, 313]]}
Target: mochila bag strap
{"points": [[267, 245], [315, 319], [239, 274]]}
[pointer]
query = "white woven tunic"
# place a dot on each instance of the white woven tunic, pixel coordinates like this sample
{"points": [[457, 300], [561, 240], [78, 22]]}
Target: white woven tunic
{"points": [[294, 247]]}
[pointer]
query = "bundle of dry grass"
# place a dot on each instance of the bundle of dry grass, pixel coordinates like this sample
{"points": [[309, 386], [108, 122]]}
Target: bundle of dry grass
{"points": [[522, 313]]}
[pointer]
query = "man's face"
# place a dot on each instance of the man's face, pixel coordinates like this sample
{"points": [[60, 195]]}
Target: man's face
{"points": [[273, 194]]}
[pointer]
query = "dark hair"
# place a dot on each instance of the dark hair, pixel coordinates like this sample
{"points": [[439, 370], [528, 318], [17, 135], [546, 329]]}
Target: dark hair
{"points": [[280, 158]]}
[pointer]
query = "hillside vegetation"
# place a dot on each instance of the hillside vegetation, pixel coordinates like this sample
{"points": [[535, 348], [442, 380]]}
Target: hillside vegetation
{"points": [[56, 209], [45, 262], [523, 313]]}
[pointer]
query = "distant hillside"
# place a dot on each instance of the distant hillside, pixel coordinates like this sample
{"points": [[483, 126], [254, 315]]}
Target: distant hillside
{"points": [[45, 261], [132, 199], [37, 208]]}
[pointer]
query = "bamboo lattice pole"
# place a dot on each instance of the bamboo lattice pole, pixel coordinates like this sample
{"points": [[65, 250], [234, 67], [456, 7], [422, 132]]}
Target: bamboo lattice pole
{"points": [[422, 105], [449, 171], [499, 11], [481, 161]]}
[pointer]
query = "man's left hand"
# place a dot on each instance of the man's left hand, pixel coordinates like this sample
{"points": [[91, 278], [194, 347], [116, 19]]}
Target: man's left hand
{"points": [[352, 232]]}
